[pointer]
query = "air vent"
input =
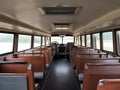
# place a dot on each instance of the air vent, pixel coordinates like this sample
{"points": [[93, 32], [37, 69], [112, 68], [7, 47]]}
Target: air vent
{"points": [[67, 24], [60, 10]]}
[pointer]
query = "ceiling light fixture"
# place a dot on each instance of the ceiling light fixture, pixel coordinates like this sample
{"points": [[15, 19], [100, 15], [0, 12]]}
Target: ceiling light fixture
{"points": [[61, 28]]}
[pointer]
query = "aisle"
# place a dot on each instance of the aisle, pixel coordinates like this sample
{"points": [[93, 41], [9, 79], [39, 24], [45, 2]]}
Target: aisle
{"points": [[61, 76]]}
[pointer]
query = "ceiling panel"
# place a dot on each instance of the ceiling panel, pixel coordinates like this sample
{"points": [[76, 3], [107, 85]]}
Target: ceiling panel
{"points": [[27, 11]]}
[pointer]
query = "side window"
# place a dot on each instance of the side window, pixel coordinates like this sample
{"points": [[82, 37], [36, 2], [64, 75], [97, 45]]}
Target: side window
{"points": [[79, 40], [37, 41], [107, 41], [88, 39], [96, 40], [47, 41], [118, 42], [83, 40], [43, 40], [6, 43], [24, 42]]}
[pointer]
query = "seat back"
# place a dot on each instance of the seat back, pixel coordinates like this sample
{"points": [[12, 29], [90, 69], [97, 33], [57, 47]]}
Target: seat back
{"points": [[80, 63], [16, 76], [51, 52], [38, 62], [13, 82], [62, 49], [109, 84], [83, 53], [94, 72], [69, 45], [47, 57]]}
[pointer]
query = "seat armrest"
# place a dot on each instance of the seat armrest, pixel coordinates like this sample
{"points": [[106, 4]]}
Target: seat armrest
{"points": [[37, 86]]}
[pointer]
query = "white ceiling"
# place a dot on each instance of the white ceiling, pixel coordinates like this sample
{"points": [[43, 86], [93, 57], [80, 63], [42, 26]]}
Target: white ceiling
{"points": [[27, 12]]}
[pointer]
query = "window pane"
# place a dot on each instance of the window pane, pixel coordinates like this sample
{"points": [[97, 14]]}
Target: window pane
{"points": [[118, 42], [108, 41], [56, 39], [83, 40], [96, 41], [37, 41], [43, 40], [77, 40], [24, 42], [88, 40], [6, 43], [47, 41], [67, 39]]}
